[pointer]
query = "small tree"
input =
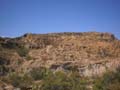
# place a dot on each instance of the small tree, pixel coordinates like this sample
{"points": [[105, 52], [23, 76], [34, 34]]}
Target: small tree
{"points": [[39, 73], [20, 80], [22, 51]]}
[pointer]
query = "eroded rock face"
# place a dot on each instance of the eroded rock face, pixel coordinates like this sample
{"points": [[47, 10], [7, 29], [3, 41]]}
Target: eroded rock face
{"points": [[97, 69], [42, 40], [90, 53]]}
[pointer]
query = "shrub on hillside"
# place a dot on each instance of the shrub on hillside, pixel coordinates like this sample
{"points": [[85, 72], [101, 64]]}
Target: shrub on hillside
{"points": [[39, 73], [20, 80], [9, 45], [110, 81], [63, 81], [22, 51]]}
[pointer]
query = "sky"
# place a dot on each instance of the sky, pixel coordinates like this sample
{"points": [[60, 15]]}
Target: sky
{"points": [[18, 17]]}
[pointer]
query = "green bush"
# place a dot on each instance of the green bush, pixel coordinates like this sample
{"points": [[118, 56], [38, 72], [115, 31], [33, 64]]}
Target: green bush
{"points": [[28, 57], [39, 73], [9, 45], [110, 81], [20, 80], [22, 51], [63, 81]]}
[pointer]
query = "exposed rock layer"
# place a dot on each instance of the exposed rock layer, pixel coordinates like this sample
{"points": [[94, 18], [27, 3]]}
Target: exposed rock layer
{"points": [[91, 53]]}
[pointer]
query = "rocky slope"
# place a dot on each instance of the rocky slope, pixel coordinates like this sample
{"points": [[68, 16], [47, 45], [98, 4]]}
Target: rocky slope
{"points": [[90, 53], [89, 50]]}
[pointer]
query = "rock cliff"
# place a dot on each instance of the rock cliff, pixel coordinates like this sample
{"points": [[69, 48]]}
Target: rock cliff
{"points": [[91, 53]]}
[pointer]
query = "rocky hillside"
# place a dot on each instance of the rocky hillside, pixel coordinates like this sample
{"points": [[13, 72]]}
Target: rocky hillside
{"points": [[90, 53], [61, 51]]}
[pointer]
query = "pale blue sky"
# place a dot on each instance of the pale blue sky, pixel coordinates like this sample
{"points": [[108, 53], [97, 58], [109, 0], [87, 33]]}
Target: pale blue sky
{"points": [[46, 16]]}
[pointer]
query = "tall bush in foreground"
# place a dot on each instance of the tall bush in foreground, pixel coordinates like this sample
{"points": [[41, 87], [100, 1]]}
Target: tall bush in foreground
{"points": [[110, 81], [63, 81]]}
